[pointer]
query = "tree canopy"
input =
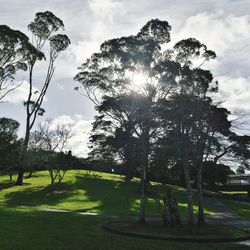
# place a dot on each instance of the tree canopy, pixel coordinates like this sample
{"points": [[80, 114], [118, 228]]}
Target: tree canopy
{"points": [[151, 96]]}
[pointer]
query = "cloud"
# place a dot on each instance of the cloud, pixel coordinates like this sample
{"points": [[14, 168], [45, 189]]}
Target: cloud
{"points": [[20, 94], [227, 34], [104, 15], [80, 129], [105, 9], [219, 30], [88, 23], [234, 93]]}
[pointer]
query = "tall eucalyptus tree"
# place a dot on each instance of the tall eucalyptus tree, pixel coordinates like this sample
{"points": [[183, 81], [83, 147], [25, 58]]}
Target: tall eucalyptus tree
{"points": [[44, 30]]}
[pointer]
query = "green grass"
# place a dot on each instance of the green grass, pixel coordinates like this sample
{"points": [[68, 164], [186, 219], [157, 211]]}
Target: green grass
{"points": [[153, 228], [80, 191], [88, 191], [240, 208], [26, 229], [235, 192]]}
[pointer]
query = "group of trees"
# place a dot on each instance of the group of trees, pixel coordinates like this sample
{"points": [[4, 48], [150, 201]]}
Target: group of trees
{"points": [[155, 106], [18, 52], [47, 149], [156, 112]]}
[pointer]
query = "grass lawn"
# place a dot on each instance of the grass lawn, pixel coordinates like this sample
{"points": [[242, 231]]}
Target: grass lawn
{"points": [[88, 191], [26, 229], [235, 192], [240, 208], [153, 228]]}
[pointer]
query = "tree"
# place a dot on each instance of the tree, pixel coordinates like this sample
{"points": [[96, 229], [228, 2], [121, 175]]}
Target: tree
{"points": [[126, 67], [43, 29], [115, 140], [50, 142], [9, 146], [215, 173], [167, 102], [15, 49], [137, 66]]}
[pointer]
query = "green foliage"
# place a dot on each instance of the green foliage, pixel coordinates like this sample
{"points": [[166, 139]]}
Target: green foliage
{"points": [[9, 146]]}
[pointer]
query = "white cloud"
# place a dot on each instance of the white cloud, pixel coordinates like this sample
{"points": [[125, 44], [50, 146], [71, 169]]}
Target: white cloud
{"points": [[228, 35], [234, 93], [20, 94], [80, 129], [105, 9], [219, 30], [103, 27], [90, 22]]}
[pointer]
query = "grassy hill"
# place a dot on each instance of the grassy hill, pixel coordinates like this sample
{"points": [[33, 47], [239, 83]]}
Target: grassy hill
{"points": [[27, 228], [88, 191]]}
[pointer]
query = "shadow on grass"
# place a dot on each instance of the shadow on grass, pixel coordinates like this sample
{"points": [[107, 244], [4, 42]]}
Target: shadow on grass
{"points": [[37, 196], [110, 196], [93, 193]]}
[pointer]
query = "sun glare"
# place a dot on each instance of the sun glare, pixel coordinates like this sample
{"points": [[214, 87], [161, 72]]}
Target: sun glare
{"points": [[138, 81]]}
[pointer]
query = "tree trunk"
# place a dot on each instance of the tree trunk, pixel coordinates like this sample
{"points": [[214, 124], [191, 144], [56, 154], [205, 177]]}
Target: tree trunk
{"points": [[189, 197], [52, 178], [27, 131], [143, 176], [30, 174], [25, 147], [10, 174], [19, 180], [201, 217], [143, 197]]}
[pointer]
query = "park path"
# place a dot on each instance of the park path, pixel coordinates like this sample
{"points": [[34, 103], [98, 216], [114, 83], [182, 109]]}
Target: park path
{"points": [[223, 215]]}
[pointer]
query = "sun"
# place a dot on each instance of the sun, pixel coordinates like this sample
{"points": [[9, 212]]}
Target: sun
{"points": [[138, 81]]}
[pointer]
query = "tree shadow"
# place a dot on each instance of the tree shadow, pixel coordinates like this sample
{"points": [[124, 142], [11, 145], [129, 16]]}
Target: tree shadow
{"points": [[38, 195], [115, 197], [107, 196], [93, 193]]}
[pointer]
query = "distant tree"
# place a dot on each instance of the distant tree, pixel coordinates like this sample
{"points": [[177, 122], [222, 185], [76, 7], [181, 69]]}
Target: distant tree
{"points": [[51, 142], [215, 173], [9, 145], [43, 29]]}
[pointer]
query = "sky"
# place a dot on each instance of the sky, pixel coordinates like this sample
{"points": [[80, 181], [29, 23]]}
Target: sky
{"points": [[224, 26]]}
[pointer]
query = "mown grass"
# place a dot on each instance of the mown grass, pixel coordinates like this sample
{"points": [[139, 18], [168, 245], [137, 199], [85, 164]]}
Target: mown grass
{"points": [[235, 192], [89, 191], [153, 228], [240, 208], [26, 229]]}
